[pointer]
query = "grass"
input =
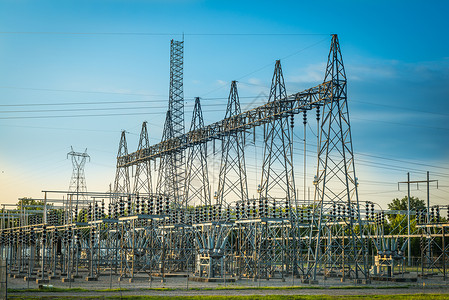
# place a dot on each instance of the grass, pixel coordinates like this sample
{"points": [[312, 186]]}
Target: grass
{"points": [[261, 297]]}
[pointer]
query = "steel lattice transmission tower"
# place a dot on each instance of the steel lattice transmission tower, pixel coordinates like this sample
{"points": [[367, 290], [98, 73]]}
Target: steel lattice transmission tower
{"points": [[232, 179], [336, 184], [174, 125], [166, 179], [277, 169], [78, 181], [142, 180], [122, 181], [197, 188]]}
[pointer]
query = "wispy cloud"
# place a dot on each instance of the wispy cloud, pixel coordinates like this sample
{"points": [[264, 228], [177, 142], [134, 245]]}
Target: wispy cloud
{"points": [[423, 71]]}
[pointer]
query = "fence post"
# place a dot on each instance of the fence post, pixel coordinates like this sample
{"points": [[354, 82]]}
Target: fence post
{"points": [[3, 279]]}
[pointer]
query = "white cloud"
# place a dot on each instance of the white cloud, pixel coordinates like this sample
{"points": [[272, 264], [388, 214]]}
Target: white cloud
{"points": [[308, 74]]}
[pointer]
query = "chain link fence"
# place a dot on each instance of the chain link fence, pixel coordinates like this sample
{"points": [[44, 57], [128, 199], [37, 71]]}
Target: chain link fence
{"points": [[3, 279]]}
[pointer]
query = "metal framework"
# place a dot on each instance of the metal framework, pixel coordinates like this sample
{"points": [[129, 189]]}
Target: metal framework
{"points": [[197, 188], [232, 185], [180, 229]]}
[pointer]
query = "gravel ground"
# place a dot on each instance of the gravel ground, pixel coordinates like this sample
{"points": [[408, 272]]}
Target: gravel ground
{"points": [[180, 286]]}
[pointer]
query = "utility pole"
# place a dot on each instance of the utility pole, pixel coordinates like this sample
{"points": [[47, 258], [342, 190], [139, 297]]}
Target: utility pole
{"points": [[408, 182]]}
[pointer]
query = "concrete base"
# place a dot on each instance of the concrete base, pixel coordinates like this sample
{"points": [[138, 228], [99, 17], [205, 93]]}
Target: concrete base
{"points": [[29, 278], [393, 279], [122, 278], [42, 281], [91, 278], [362, 281]]}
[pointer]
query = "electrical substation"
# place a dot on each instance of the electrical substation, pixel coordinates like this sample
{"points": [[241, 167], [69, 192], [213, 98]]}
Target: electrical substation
{"points": [[182, 226]]}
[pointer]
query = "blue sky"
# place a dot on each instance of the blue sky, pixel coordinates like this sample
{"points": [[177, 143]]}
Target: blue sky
{"points": [[396, 55]]}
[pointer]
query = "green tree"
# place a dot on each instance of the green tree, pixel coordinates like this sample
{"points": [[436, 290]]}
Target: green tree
{"points": [[401, 204], [397, 204], [30, 204], [398, 222]]}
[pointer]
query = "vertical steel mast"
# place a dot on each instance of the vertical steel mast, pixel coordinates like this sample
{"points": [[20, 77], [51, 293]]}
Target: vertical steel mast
{"points": [[174, 127]]}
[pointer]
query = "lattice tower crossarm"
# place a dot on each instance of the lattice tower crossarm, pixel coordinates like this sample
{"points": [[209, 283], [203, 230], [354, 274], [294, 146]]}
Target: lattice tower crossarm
{"points": [[293, 104]]}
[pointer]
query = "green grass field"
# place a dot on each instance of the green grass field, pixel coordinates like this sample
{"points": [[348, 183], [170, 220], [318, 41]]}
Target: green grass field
{"points": [[266, 297]]}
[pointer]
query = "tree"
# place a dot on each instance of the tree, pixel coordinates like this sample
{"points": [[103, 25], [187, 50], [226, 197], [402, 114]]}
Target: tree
{"points": [[397, 204], [398, 222], [401, 204], [30, 204]]}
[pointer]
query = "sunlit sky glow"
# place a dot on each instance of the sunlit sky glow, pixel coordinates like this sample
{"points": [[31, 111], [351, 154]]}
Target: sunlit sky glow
{"points": [[396, 55]]}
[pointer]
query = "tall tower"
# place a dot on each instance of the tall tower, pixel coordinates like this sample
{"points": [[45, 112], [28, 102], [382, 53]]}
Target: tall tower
{"points": [[232, 179], [174, 126], [197, 188], [122, 181], [142, 179], [336, 183], [277, 169], [77, 184]]}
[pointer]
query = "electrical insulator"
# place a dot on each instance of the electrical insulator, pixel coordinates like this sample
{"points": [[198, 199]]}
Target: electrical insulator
{"points": [[44, 234], [97, 211], [437, 214], [150, 205], [129, 205]]}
